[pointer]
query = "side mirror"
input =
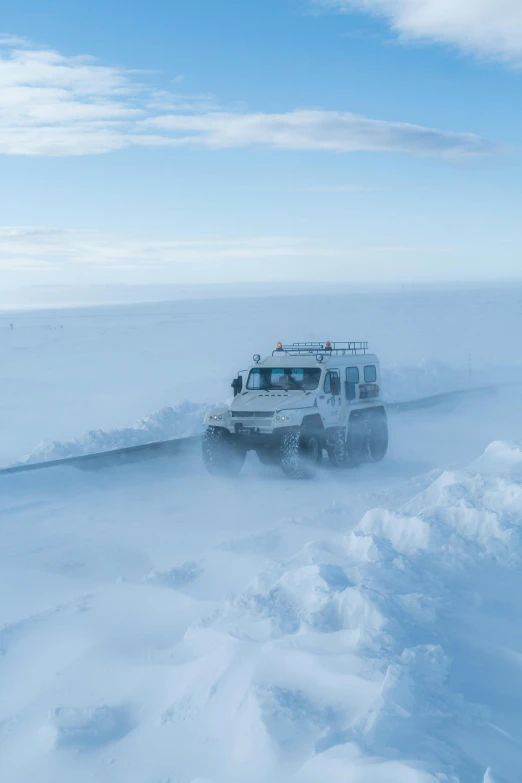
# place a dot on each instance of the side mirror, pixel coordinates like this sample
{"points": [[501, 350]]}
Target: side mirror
{"points": [[335, 384], [237, 385]]}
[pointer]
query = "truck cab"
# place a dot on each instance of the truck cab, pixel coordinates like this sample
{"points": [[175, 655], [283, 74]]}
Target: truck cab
{"points": [[302, 400]]}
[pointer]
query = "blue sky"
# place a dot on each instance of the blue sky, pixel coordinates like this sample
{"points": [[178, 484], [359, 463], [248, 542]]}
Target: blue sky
{"points": [[235, 140]]}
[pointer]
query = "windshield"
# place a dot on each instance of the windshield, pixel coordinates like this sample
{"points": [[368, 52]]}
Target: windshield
{"points": [[287, 378]]}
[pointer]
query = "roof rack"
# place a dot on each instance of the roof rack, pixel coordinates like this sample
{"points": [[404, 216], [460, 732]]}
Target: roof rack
{"points": [[327, 347]]}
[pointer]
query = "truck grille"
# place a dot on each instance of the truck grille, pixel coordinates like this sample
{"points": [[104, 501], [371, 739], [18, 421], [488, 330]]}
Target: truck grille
{"points": [[252, 414]]}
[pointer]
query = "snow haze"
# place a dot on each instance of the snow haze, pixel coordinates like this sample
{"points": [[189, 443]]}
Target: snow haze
{"points": [[183, 186], [337, 629]]}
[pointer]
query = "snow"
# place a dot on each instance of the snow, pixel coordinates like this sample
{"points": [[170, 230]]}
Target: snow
{"points": [[86, 728], [67, 373], [186, 418], [158, 612], [159, 624]]}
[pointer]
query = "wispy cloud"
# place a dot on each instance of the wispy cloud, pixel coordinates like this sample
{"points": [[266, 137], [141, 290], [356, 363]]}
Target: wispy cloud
{"points": [[46, 255], [13, 41], [489, 28], [344, 189], [328, 131], [40, 247], [51, 249], [51, 104]]}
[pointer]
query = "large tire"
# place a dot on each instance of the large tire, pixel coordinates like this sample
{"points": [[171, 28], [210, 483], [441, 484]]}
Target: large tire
{"points": [[337, 450], [346, 446], [222, 456], [301, 453], [378, 436], [357, 440]]}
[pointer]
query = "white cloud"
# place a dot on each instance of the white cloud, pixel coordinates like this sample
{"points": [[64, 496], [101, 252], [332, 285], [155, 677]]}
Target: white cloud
{"points": [[490, 28], [51, 104]]}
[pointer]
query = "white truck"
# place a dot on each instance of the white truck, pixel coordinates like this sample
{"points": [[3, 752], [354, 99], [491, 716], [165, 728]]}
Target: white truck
{"points": [[304, 399]]}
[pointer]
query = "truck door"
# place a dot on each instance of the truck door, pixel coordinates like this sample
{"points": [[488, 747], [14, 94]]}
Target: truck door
{"points": [[330, 399]]}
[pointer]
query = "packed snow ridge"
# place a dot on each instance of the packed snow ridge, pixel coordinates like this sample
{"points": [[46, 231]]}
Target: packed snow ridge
{"points": [[385, 655], [180, 421]]}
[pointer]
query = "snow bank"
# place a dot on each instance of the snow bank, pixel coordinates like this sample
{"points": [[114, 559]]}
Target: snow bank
{"points": [[502, 459], [174, 422], [356, 659]]}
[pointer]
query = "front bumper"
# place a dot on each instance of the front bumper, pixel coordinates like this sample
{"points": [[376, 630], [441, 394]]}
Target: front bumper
{"points": [[252, 438], [251, 426]]}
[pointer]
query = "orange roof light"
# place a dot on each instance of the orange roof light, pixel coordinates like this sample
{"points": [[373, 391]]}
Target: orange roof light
{"points": [[279, 347], [328, 345]]}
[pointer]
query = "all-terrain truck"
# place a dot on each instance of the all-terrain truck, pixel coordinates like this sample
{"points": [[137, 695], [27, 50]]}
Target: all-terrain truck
{"points": [[290, 407]]}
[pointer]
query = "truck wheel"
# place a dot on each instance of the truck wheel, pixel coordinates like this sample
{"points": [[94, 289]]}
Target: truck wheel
{"points": [[378, 436], [301, 453], [345, 448], [222, 456], [357, 441], [337, 450]]}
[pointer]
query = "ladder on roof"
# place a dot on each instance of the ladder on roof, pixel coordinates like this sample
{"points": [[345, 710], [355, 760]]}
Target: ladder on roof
{"points": [[350, 348]]}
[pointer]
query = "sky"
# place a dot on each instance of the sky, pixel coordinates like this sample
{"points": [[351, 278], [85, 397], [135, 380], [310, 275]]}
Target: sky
{"points": [[220, 141]]}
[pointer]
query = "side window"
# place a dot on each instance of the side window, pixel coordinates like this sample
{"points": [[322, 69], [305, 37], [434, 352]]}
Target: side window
{"points": [[352, 379], [331, 382], [254, 379], [370, 373], [328, 383]]}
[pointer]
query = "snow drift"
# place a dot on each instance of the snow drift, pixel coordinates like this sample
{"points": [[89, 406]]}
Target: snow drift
{"points": [[181, 421], [387, 654]]}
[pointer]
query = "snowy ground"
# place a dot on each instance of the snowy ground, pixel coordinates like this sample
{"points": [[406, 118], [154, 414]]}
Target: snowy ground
{"points": [[158, 625]]}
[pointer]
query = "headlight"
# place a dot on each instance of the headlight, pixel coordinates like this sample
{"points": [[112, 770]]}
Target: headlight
{"points": [[219, 416], [283, 417]]}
